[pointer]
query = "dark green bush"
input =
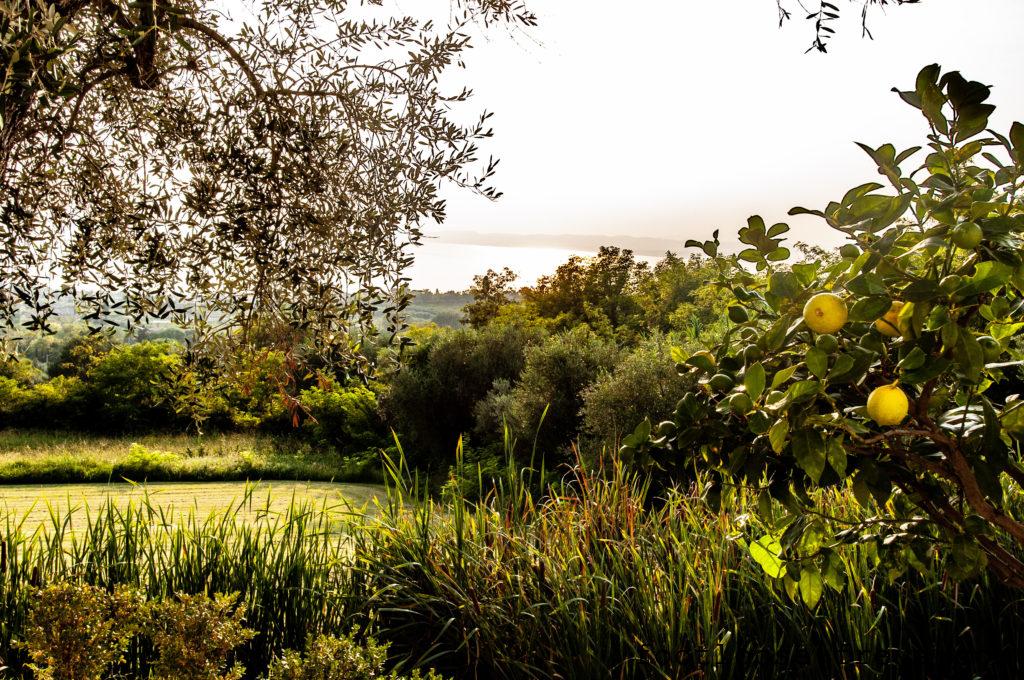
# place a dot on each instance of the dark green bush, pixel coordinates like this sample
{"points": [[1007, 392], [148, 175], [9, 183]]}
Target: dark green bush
{"points": [[554, 378], [646, 384], [432, 399]]}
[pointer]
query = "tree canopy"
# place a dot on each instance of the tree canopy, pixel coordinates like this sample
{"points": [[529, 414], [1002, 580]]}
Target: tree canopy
{"points": [[158, 159]]}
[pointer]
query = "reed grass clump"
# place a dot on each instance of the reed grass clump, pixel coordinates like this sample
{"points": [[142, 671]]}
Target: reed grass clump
{"points": [[595, 579]]}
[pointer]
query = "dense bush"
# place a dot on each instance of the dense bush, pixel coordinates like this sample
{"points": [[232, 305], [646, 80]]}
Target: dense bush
{"points": [[342, 419], [646, 384], [81, 632], [339, 658], [545, 404], [133, 387], [432, 400]]}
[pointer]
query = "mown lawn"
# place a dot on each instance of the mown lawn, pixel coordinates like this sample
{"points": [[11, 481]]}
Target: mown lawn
{"points": [[33, 503], [60, 457]]}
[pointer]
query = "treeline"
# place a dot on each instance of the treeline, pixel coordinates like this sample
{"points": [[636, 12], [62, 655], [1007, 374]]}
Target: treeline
{"points": [[579, 358]]}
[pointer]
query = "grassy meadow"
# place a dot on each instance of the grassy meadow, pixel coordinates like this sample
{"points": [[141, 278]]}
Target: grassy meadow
{"points": [[35, 505], [53, 457]]}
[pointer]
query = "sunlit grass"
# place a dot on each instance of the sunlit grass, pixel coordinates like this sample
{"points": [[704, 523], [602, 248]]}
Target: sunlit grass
{"points": [[53, 457]]}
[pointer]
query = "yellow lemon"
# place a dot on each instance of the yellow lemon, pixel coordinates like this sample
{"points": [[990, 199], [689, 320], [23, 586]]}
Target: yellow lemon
{"points": [[825, 313], [889, 324], [888, 405]]}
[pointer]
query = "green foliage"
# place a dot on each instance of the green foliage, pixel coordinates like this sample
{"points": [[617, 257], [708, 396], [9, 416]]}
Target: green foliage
{"points": [[80, 631], [645, 384], [79, 355], [291, 570], [596, 291], [590, 580], [490, 291], [783, 409], [98, 106], [546, 402], [432, 399], [38, 457], [76, 632], [342, 419], [194, 636], [339, 658], [133, 386]]}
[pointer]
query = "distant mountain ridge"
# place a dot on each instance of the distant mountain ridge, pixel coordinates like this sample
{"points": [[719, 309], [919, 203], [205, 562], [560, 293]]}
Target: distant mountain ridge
{"points": [[640, 245]]}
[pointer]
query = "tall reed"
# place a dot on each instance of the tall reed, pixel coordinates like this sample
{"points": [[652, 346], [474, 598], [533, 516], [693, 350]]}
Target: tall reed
{"points": [[590, 580], [291, 568]]}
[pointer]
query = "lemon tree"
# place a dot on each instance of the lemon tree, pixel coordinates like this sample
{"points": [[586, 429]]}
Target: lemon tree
{"points": [[891, 370]]}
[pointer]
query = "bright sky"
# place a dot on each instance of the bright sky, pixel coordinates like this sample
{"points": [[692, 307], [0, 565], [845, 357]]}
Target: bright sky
{"points": [[667, 119]]}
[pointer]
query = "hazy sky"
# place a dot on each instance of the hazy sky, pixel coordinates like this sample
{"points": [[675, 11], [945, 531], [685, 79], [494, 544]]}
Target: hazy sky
{"points": [[668, 119]]}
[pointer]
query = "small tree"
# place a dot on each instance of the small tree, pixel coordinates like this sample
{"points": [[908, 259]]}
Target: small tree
{"points": [[907, 395], [491, 292]]}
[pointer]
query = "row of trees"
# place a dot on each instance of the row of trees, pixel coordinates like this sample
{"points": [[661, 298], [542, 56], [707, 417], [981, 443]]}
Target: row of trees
{"points": [[612, 293]]}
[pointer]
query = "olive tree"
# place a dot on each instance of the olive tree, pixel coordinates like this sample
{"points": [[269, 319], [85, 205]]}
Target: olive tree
{"points": [[824, 16], [267, 172], [906, 389]]}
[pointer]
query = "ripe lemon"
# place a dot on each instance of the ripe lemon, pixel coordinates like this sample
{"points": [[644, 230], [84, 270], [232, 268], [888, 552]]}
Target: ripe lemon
{"points": [[888, 405], [825, 313], [889, 324]]}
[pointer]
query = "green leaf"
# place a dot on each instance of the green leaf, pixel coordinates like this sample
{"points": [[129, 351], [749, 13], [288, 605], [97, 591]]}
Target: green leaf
{"points": [[870, 308], [754, 380], [780, 430], [817, 362], [811, 586], [767, 552], [836, 454], [914, 359], [843, 365], [803, 390], [867, 284], [784, 284], [987, 276], [809, 451], [783, 376]]}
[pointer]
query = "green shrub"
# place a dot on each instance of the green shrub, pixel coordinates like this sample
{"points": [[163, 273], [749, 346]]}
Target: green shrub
{"points": [[547, 400], [134, 387], [14, 397], [339, 658], [195, 635], [20, 370], [645, 384], [345, 419], [79, 354], [431, 400], [75, 632]]}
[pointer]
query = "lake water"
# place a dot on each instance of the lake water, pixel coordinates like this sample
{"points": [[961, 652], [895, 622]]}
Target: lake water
{"points": [[451, 266]]}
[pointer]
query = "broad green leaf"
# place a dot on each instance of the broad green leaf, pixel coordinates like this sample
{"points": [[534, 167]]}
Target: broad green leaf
{"points": [[836, 454], [767, 552], [780, 430], [809, 451], [817, 362], [844, 364], [870, 308], [754, 380], [811, 586], [783, 376]]}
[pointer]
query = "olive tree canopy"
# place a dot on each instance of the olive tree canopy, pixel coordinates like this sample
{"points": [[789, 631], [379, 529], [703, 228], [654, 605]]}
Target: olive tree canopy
{"points": [[159, 159]]}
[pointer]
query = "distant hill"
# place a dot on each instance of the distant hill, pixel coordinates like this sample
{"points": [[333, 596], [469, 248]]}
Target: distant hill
{"points": [[640, 245]]}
